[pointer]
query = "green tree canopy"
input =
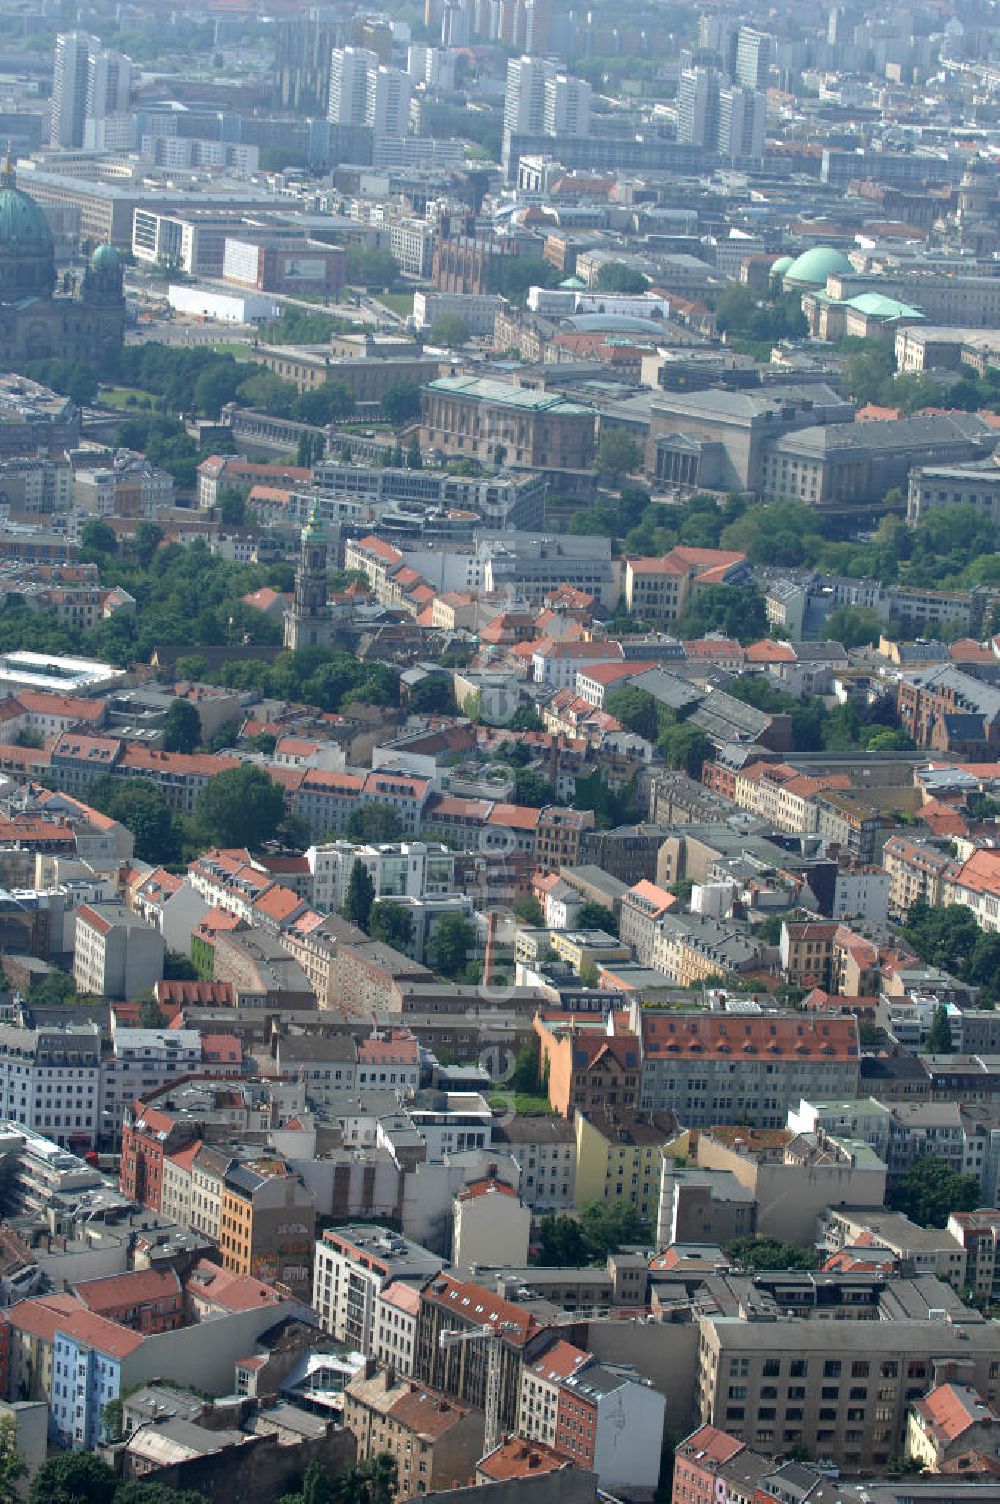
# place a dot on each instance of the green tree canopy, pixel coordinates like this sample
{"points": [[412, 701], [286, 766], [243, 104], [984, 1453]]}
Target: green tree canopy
{"points": [[686, 747], [359, 897], [374, 822], [450, 329], [181, 727], [433, 696], [854, 626], [12, 1464], [138, 804], [73, 1478], [401, 403], [755, 1252], [931, 1190], [938, 1041], [594, 916], [616, 276], [451, 946], [392, 923], [241, 807], [618, 454], [533, 789]]}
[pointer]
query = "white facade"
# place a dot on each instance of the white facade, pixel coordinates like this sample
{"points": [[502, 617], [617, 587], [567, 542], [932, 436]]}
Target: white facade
{"points": [[50, 1081], [353, 1265], [862, 894], [349, 69], [387, 106], [142, 1061], [395, 1339], [221, 307], [490, 1226], [115, 954], [477, 311]]}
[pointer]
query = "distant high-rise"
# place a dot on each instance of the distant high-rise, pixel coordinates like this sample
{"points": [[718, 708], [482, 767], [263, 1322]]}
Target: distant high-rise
{"points": [[541, 98], [721, 35], [742, 123], [567, 106], [349, 70], [365, 92], [753, 58], [456, 26], [109, 79], [387, 105], [698, 107], [303, 47], [69, 86]]}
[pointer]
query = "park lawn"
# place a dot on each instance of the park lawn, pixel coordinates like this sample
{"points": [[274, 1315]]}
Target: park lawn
{"points": [[396, 302], [525, 1105], [231, 347], [117, 396]]}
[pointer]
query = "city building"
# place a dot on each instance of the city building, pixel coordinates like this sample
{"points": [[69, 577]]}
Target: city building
{"points": [[353, 1266], [116, 954]]}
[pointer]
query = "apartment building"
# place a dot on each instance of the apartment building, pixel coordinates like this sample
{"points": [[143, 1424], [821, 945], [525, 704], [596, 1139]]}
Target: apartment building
{"points": [[397, 1308], [560, 834], [460, 1369], [353, 1265], [917, 871], [976, 885], [619, 1156], [846, 1386], [723, 1069], [540, 1383], [696, 948], [979, 1234], [115, 953], [658, 589], [611, 1422], [641, 909], [588, 1070], [267, 1224], [435, 1441], [545, 1152], [50, 1080]]}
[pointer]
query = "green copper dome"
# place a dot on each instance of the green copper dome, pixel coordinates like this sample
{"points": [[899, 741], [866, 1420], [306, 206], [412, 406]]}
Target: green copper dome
{"points": [[22, 223], [105, 258], [818, 263]]}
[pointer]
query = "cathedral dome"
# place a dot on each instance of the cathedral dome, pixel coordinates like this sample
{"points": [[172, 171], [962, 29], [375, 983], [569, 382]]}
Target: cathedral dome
{"points": [[105, 258], [27, 254], [22, 223]]}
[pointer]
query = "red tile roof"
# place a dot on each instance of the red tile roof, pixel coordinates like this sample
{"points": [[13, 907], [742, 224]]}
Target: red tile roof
{"points": [[713, 1037], [134, 1288], [480, 1307], [521, 1459]]}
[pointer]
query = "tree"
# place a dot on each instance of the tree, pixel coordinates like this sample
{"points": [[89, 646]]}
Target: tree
{"points": [[401, 403], [533, 789], [148, 538], [753, 1252], [452, 943], [392, 923], [561, 1244], [527, 1076], [449, 329], [151, 1015], [216, 385], [942, 936], [371, 268], [73, 1478], [181, 727], [735, 610], [685, 747], [141, 808], [359, 897], [433, 696], [611, 1226], [854, 626], [529, 911], [635, 709], [232, 504], [12, 1464], [145, 1491], [938, 1041], [931, 1190], [374, 822], [615, 276], [98, 538], [525, 718], [594, 916], [618, 454], [241, 807]]}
